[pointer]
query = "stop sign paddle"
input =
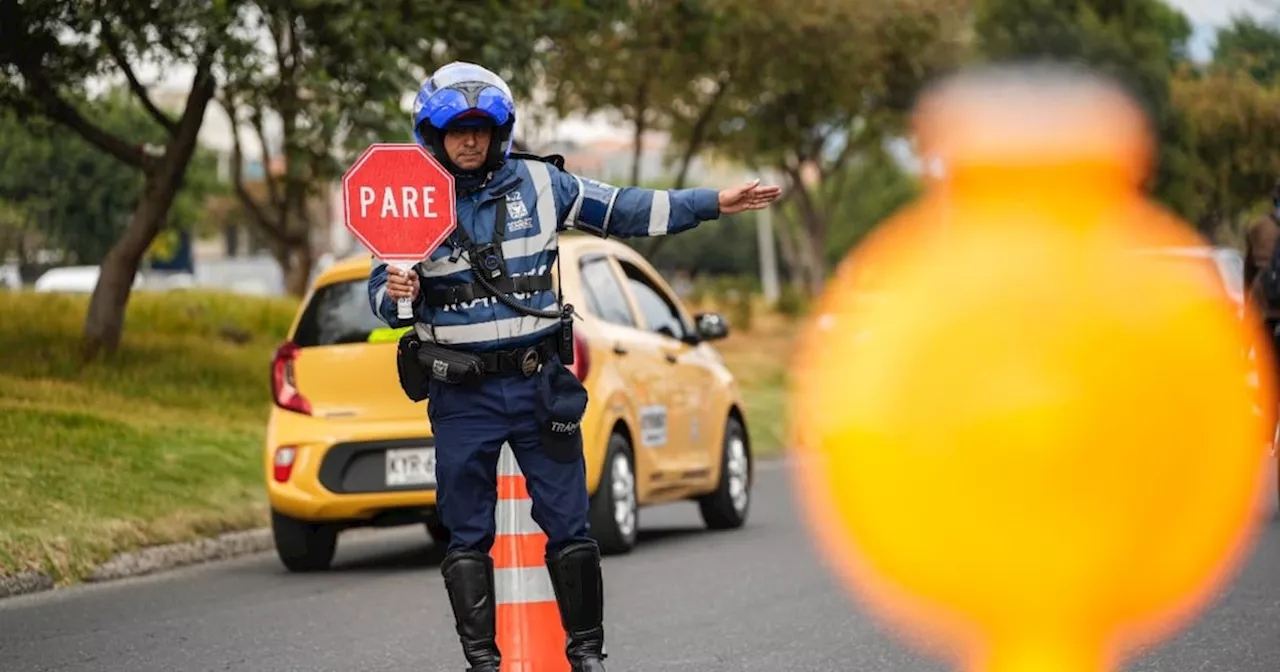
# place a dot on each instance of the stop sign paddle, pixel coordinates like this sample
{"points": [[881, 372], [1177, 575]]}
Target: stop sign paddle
{"points": [[399, 202]]}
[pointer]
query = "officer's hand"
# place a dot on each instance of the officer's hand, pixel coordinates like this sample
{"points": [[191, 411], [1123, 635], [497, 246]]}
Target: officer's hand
{"points": [[402, 283], [750, 196]]}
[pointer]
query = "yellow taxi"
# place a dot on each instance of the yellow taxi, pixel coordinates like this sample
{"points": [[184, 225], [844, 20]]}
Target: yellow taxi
{"points": [[665, 422]]}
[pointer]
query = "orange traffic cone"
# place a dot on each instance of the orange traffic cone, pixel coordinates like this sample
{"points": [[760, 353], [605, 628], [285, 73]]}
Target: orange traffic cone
{"points": [[530, 635]]}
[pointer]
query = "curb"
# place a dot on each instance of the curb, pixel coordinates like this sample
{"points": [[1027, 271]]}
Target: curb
{"points": [[154, 559], [172, 556], [151, 560], [24, 583]]}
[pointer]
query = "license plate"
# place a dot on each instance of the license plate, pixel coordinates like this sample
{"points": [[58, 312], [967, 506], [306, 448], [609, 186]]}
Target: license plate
{"points": [[411, 466]]}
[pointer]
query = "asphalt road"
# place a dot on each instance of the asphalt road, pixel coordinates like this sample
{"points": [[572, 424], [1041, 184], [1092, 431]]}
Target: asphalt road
{"points": [[752, 600]]}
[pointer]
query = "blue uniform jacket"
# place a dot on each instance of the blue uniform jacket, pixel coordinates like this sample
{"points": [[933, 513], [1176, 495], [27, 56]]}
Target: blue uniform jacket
{"points": [[541, 201]]}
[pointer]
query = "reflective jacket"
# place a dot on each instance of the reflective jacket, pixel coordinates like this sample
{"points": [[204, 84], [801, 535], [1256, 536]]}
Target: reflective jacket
{"points": [[535, 194]]}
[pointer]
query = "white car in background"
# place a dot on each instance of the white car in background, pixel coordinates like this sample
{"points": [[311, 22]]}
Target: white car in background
{"points": [[72, 280]]}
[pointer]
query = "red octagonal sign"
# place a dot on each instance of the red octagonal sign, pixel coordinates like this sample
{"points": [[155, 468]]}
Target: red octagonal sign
{"points": [[399, 202]]}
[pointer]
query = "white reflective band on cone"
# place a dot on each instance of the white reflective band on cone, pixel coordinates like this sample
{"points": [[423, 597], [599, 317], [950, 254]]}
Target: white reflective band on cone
{"points": [[515, 517], [523, 585]]}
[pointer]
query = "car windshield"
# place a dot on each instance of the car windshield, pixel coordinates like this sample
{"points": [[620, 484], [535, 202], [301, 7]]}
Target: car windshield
{"points": [[337, 313]]}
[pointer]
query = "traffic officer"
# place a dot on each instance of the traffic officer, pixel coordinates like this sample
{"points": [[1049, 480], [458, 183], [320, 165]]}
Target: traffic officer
{"points": [[493, 337]]}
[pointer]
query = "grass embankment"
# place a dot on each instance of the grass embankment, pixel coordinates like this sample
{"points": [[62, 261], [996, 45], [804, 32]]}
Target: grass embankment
{"points": [[761, 359], [162, 442]]}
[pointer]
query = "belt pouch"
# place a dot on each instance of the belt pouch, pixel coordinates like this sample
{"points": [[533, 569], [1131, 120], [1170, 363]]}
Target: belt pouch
{"points": [[413, 376], [450, 366]]}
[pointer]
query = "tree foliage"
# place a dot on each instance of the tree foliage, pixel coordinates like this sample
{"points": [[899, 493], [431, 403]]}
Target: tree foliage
{"points": [[50, 50], [333, 74], [1233, 103], [812, 114], [1251, 46], [1138, 42]]}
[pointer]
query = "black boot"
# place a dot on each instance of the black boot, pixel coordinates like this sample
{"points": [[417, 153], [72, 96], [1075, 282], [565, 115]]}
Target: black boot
{"points": [[468, 576], [579, 588]]}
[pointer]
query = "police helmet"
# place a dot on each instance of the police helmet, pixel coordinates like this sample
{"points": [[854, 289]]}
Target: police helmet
{"points": [[461, 94]]}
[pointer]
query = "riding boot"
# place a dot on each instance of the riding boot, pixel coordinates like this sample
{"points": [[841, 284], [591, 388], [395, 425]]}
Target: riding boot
{"points": [[468, 576], [579, 589]]}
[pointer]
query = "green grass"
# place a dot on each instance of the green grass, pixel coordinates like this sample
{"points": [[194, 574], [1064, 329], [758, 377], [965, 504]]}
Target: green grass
{"points": [[759, 361], [160, 442]]}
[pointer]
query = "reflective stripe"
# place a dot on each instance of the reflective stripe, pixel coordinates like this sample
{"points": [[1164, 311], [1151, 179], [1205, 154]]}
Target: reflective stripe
{"points": [[608, 213], [514, 248], [546, 237], [515, 517], [523, 585], [659, 213], [382, 294], [572, 218], [511, 327]]}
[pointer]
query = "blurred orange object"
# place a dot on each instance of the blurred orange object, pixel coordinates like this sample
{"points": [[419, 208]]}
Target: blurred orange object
{"points": [[1020, 436]]}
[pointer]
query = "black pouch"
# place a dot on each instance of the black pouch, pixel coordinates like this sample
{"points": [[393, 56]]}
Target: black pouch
{"points": [[413, 377], [450, 366], [561, 403]]}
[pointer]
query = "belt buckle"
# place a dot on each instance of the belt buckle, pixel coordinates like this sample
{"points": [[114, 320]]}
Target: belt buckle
{"points": [[530, 362]]}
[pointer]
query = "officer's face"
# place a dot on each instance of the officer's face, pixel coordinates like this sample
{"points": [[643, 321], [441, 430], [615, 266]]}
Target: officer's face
{"points": [[467, 147]]}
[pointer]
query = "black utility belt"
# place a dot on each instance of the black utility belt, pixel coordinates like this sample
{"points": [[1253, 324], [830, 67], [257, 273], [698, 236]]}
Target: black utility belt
{"points": [[459, 367]]}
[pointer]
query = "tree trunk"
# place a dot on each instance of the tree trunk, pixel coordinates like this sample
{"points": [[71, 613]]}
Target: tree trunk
{"points": [[637, 151], [104, 322], [296, 261], [815, 262], [696, 138], [790, 257]]}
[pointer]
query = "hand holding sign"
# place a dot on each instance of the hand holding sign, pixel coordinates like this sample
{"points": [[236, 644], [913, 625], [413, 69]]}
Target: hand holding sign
{"points": [[399, 202]]}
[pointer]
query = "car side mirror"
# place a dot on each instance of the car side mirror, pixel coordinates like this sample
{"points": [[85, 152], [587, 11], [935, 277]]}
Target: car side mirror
{"points": [[711, 326]]}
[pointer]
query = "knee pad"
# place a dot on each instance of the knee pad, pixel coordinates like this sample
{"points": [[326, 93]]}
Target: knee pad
{"points": [[466, 563], [574, 551]]}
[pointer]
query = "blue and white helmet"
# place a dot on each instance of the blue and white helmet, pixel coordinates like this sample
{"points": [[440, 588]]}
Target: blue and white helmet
{"points": [[462, 94]]}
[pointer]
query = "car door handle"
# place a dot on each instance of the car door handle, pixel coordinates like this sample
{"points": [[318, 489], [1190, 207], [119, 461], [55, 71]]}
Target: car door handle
{"points": [[618, 349]]}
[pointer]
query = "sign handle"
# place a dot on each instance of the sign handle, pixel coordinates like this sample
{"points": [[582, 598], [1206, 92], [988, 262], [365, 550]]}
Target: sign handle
{"points": [[404, 305]]}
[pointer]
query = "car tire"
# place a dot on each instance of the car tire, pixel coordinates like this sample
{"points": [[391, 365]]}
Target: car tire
{"points": [[727, 506], [615, 512], [303, 546]]}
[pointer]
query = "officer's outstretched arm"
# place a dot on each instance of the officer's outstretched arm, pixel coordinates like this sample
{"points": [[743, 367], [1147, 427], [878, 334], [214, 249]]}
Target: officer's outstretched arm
{"points": [[630, 212], [384, 306]]}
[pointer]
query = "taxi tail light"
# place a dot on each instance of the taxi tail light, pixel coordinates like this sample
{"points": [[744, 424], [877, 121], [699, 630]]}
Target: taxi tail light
{"points": [[581, 357], [282, 463], [284, 384]]}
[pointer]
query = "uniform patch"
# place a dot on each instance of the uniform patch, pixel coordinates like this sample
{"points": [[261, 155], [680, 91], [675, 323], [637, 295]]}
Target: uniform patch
{"points": [[518, 218]]}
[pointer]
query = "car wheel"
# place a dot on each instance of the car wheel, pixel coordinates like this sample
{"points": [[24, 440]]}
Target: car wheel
{"points": [[615, 513], [727, 506], [303, 546]]}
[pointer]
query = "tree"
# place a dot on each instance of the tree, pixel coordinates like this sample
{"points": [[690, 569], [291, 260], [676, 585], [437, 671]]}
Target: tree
{"points": [[810, 114], [1249, 45], [1138, 42], [50, 49], [333, 73], [1234, 107], [74, 195]]}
